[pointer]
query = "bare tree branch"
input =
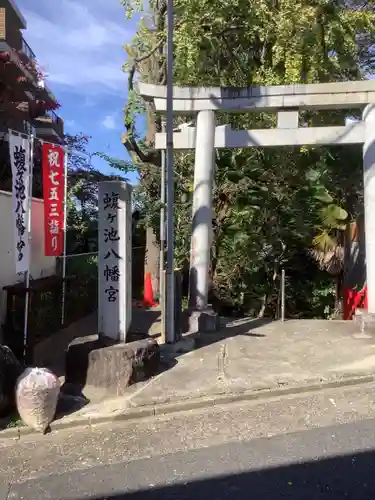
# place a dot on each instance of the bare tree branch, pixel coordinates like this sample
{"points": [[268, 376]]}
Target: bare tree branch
{"points": [[128, 138]]}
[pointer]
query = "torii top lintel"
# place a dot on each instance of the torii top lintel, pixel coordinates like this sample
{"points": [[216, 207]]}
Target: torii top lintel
{"points": [[191, 100]]}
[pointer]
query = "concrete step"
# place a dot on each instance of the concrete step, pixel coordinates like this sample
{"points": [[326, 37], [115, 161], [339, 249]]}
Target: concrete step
{"points": [[361, 312], [365, 321]]}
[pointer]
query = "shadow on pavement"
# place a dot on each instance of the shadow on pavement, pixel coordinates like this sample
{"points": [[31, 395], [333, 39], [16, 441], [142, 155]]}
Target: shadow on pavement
{"points": [[230, 328], [143, 320], [338, 478]]}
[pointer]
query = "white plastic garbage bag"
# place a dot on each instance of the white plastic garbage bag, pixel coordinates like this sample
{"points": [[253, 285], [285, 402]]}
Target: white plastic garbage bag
{"points": [[37, 393]]}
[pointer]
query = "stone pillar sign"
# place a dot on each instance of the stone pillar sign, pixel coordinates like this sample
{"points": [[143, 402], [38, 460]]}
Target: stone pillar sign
{"points": [[114, 263]]}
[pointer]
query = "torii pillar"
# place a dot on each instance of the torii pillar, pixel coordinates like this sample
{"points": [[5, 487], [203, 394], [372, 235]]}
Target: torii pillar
{"points": [[369, 201], [202, 317], [201, 239]]}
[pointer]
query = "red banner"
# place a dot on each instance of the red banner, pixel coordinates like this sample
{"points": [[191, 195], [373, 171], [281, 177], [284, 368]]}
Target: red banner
{"points": [[53, 194]]}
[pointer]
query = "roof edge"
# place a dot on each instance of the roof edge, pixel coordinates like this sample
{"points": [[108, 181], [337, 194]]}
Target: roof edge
{"points": [[19, 13]]}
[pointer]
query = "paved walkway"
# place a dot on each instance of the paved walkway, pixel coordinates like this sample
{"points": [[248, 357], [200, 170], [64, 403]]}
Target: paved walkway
{"points": [[266, 357], [97, 461], [248, 356]]}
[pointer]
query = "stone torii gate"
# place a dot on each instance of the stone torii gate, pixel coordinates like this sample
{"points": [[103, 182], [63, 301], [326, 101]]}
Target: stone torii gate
{"points": [[286, 101]]}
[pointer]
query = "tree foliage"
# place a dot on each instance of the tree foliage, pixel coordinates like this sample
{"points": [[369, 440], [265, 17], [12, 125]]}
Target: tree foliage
{"points": [[278, 207], [83, 187], [23, 98]]}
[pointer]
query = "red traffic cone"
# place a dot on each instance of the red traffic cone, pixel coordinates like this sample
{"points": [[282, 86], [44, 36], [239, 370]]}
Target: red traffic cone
{"points": [[148, 294]]}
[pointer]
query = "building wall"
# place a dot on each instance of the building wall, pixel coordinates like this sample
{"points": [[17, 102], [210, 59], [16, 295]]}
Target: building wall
{"points": [[40, 265], [3, 32], [10, 26]]}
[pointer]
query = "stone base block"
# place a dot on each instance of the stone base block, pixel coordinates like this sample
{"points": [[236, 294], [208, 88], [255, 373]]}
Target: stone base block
{"points": [[365, 321], [204, 321], [102, 363], [182, 346]]}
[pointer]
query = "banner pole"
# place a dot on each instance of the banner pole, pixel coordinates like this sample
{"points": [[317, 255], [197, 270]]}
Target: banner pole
{"points": [[29, 236], [64, 244]]}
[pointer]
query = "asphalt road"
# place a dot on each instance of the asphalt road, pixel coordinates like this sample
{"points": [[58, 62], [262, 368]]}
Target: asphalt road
{"points": [[334, 463], [312, 447]]}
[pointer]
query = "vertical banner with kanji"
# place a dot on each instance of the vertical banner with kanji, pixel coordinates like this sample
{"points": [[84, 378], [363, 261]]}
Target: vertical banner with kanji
{"points": [[53, 194], [19, 149]]}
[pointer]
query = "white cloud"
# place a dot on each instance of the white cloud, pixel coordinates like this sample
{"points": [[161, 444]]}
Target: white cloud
{"points": [[79, 44], [70, 123], [109, 122]]}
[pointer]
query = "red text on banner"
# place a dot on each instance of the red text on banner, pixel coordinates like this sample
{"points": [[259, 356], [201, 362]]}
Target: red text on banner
{"points": [[53, 194]]}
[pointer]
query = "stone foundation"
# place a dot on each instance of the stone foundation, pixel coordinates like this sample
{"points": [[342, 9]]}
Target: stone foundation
{"points": [[203, 321]]}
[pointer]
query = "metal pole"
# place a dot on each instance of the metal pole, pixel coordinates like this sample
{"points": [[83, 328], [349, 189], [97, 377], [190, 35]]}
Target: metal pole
{"points": [[63, 293], [170, 186], [283, 295], [29, 236], [162, 241]]}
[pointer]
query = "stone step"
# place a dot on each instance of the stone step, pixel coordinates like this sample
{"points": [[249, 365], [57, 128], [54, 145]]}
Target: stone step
{"points": [[362, 315], [361, 312], [365, 321]]}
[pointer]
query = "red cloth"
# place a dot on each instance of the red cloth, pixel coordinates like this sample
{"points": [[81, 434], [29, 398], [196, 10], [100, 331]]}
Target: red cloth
{"points": [[353, 300]]}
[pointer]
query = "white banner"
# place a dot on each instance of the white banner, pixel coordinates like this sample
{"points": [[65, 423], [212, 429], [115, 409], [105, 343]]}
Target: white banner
{"points": [[19, 150]]}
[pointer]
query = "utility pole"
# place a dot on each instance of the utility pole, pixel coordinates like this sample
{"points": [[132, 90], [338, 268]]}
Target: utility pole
{"points": [[162, 283], [170, 181]]}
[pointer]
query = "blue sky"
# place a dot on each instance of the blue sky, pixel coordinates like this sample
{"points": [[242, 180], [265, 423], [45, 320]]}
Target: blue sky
{"points": [[79, 45]]}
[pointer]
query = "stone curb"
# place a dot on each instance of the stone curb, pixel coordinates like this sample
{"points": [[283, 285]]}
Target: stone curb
{"points": [[166, 408]]}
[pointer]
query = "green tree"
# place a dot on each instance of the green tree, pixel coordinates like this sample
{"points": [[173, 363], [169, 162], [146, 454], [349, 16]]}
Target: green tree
{"points": [[83, 186], [273, 207]]}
